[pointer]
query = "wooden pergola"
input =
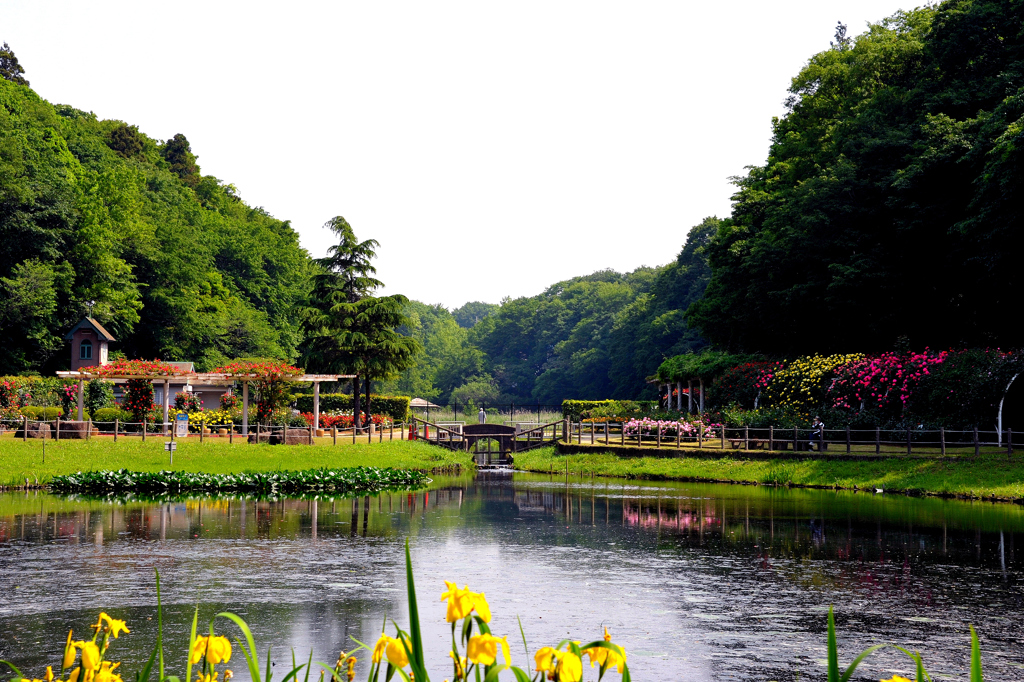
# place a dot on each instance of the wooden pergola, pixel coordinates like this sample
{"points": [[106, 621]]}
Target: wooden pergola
{"points": [[206, 379]]}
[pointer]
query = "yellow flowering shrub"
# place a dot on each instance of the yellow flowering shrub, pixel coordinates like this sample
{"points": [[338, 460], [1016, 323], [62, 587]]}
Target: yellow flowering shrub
{"points": [[804, 381]]}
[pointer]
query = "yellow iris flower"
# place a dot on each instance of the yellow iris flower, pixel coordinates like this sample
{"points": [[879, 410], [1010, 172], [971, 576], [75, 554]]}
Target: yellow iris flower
{"points": [[49, 674], [544, 659], [484, 649], [218, 649], [460, 665], [69, 654], [396, 652], [599, 655], [198, 650], [113, 624], [90, 655], [73, 677], [569, 667], [106, 673], [896, 678], [379, 647], [462, 602]]}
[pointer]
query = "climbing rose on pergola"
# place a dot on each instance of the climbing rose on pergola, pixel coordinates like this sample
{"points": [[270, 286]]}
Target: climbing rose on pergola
{"points": [[269, 378], [125, 368]]}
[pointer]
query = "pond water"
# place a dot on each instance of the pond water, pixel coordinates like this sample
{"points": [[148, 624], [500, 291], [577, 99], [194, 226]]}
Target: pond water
{"points": [[698, 582]]}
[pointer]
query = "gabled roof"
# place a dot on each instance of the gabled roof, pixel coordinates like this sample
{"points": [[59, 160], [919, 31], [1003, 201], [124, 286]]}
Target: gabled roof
{"points": [[184, 366], [91, 324]]}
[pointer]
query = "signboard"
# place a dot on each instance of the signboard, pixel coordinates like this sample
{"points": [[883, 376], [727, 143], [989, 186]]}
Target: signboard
{"points": [[180, 425]]}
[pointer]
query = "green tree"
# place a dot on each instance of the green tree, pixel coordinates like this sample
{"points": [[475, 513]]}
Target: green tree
{"points": [[343, 320], [178, 153], [10, 69]]}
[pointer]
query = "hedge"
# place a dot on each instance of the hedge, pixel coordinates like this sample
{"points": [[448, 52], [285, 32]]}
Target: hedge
{"points": [[396, 407], [574, 409]]}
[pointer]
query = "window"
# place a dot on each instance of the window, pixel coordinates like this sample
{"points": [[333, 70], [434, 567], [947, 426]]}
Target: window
{"points": [[85, 350]]}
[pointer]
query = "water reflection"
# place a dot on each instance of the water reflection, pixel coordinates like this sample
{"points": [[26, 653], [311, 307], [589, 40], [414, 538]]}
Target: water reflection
{"points": [[739, 575]]}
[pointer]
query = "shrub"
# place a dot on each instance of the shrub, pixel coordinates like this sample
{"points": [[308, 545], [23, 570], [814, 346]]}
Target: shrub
{"points": [[270, 383], [187, 401], [36, 413], [99, 394], [738, 386], [576, 409], [396, 407], [109, 414], [138, 398], [803, 382]]}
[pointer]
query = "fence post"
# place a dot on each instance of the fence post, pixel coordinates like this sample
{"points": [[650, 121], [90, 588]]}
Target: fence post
{"points": [[622, 433], [977, 445], [796, 439], [57, 429], [847, 439], [908, 440], [1009, 443], [659, 433], [679, 433], [723, 437], [746, 437], [145, 418], [88, 429], [592, 433], [942, 439], [310, 434], [117, 423], [257, 433], [878, 440], [354, 432], [771, 437], [700, 435], [334, 435], [605, 433], [24, 429], [202, 429], [565, 430], [231, 433], [391, 431]]}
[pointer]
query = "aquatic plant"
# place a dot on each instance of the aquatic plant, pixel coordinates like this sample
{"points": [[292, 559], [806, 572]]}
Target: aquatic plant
{"points": [[341, 480], [401, 654]]}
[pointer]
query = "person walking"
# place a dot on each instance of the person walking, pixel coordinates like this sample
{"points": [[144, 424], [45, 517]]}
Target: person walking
{"points": [[482, 416]]}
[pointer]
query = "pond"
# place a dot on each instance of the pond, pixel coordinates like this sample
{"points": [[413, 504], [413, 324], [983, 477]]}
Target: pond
{"points": [[698, 582]]}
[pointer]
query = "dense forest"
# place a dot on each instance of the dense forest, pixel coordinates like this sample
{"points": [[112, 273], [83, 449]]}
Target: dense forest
{"points": [[889, 208], [891, 201]]}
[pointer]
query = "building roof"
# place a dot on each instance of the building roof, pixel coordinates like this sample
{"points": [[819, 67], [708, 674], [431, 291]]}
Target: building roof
{"points": [[420, 402], [92, 324], [189, 367]]}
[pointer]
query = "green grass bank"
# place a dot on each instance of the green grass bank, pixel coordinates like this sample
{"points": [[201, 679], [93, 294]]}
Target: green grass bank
{"points": [[24, 459], [982, 476]]}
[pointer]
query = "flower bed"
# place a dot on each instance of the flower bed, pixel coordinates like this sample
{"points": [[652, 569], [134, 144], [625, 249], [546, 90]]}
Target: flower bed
{"points": [[669, 429]]}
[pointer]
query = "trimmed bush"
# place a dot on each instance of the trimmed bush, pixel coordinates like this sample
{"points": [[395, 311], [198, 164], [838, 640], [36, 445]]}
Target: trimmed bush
{"points": [[109, 414], [575, 409], [36, 413], [396, 407]]}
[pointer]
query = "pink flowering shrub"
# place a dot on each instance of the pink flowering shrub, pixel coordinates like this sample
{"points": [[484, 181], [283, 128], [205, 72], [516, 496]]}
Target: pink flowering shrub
{"points": [[649, 427], [885, 383]]}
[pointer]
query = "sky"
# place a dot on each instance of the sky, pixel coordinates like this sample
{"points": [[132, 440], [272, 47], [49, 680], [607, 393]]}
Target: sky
{"points": [[492, 149]]}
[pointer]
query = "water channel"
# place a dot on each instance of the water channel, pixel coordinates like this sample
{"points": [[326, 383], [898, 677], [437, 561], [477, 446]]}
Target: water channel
{"points": [[698, 582]]}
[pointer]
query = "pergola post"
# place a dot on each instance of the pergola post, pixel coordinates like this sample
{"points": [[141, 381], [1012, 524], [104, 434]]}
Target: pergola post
{"points": [[689, 396], [167, 401], [81, 401], [679, 396], [702, 395], [245, 408], [316, 404]]}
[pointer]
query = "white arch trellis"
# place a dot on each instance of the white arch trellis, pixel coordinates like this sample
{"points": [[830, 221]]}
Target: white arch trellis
{"points": [[206, 379]]}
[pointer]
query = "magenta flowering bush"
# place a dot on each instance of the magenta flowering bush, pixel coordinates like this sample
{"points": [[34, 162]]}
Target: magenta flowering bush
{"points": [[883, 382], [649, 427]]}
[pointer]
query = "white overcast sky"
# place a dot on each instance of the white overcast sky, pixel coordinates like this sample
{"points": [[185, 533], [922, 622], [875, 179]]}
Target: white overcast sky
{"points": [[492, 148]]}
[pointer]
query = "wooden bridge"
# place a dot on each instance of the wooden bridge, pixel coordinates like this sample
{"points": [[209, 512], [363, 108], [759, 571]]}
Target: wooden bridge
{"points": [[509, 439]]}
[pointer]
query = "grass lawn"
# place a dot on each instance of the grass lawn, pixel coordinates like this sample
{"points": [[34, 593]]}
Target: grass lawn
{"points": [[24, 459], [983, 476]]}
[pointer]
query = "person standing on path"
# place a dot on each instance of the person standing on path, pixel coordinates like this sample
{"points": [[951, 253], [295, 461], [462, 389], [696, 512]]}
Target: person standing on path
{"points": [[482, 416]]}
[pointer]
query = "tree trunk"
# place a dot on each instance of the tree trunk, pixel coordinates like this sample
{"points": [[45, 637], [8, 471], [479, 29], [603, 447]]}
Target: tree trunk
{"points": [[368, 413], [355, 401]]}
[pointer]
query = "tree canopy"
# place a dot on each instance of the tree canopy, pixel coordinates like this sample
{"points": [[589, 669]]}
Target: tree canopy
{"points": [[890, 202]]}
